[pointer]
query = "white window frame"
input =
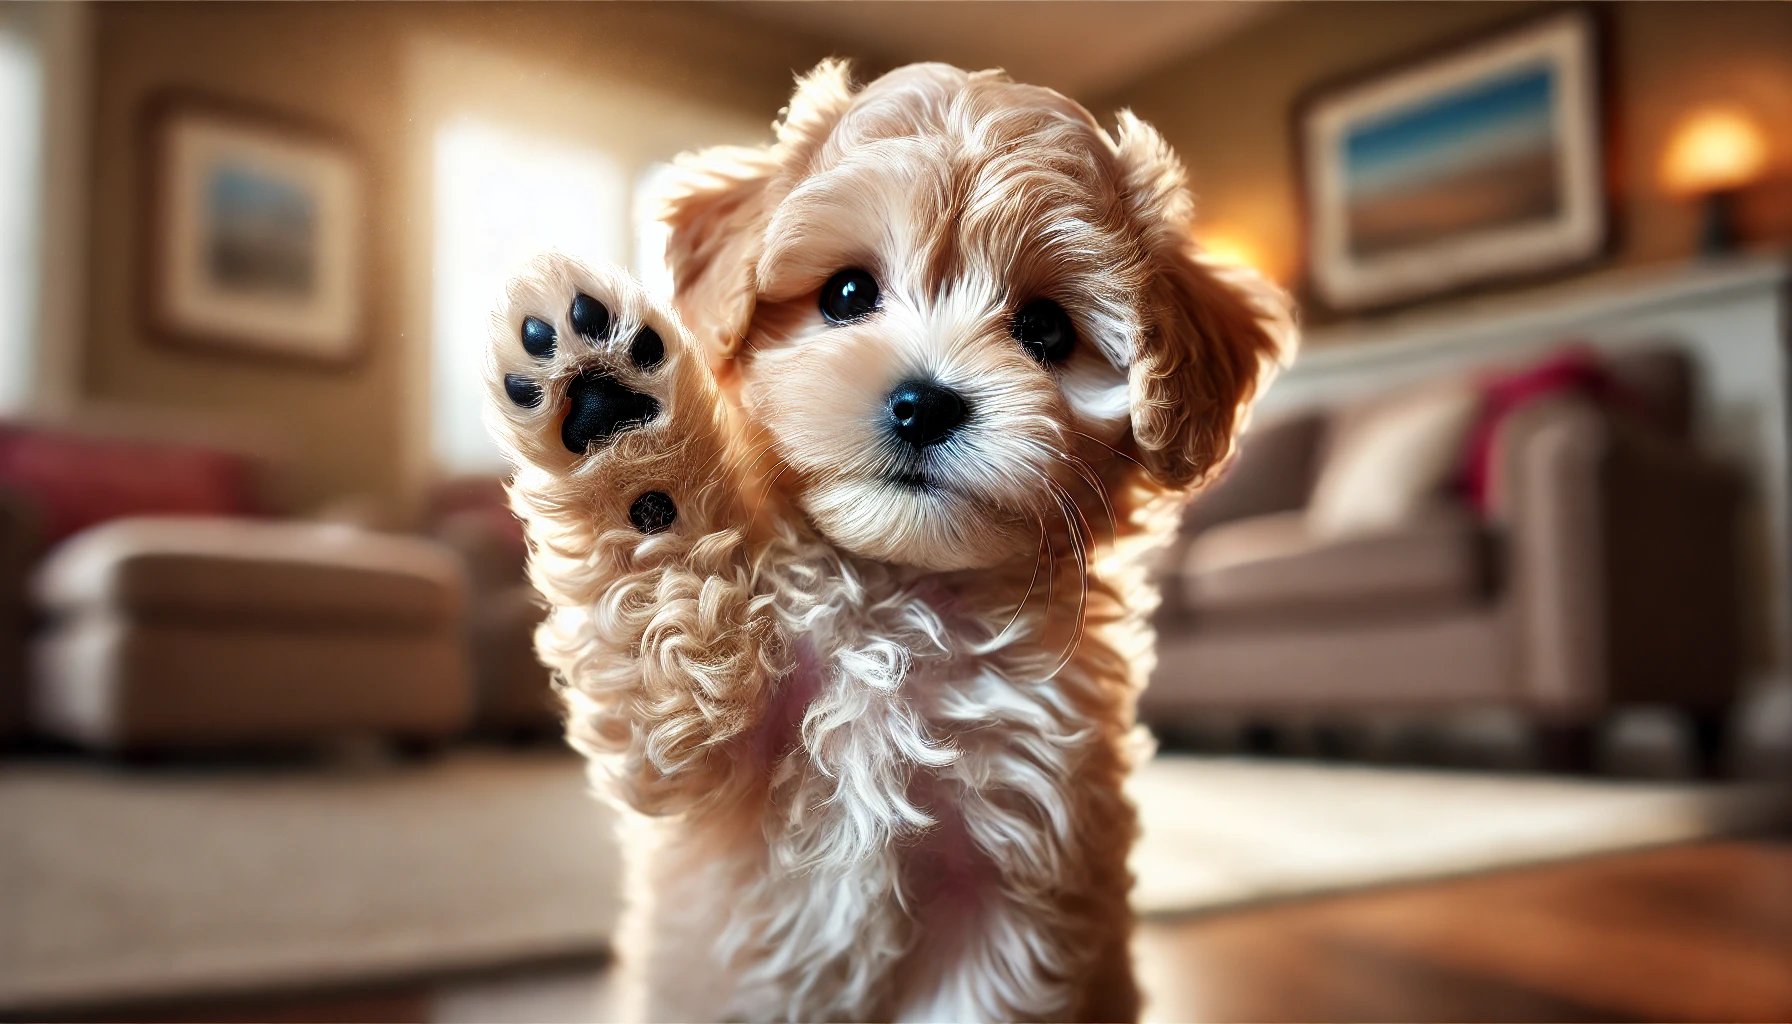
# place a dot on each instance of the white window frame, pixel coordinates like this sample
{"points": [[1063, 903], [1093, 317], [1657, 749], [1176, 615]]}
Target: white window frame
{"points": [[491, 184], [448, 80], [42, 374]]}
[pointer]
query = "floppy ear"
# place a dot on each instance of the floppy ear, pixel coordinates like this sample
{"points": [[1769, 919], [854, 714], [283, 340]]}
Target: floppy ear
{"points": [[718, 210], [1214, 335]]}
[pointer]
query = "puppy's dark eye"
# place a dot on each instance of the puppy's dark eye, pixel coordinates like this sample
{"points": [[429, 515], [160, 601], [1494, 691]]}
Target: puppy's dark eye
{"points": [[848, 296], [1044, 330]]}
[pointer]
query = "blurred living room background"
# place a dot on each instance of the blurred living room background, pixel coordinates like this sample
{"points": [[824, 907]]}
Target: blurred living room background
{"points": [[1474, 680]]}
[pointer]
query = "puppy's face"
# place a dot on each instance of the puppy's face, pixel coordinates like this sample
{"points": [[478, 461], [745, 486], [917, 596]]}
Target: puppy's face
{"points": [[938, 329], [955, 289]]}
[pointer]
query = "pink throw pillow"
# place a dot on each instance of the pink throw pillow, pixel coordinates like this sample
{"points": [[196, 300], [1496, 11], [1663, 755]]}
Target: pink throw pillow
{"points": [[76, 482]]}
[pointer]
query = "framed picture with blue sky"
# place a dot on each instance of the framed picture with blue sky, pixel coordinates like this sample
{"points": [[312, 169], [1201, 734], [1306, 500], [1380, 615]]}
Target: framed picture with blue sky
{"points": [[1473, 164], [254, 231]]}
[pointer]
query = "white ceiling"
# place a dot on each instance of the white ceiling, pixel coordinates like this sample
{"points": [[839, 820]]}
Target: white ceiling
{"points": [[1083, 48]]}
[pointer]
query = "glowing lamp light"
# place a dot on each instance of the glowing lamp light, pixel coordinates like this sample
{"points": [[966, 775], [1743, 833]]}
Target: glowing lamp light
{"points": [[1712, 154], [1714, 150], [1230, 250]]}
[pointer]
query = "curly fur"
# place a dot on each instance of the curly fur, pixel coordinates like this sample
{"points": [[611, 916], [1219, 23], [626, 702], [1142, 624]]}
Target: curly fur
{"points": [[871, 739]]}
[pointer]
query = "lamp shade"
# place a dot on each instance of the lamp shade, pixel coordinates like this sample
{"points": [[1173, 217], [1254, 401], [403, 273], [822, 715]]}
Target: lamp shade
{"points": [[1713, 150]]}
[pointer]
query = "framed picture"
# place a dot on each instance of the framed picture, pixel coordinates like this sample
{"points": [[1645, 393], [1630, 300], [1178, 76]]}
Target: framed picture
{"points": [[1476, 163], [254, 233]]}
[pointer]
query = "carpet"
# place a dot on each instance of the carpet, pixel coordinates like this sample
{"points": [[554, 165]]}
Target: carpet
{"points": [[1221, 832], [127, 885], [122, 885]]}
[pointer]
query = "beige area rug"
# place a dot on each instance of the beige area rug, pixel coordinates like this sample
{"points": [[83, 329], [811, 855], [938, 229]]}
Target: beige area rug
{"points": [[121, 885], [1221, 832], [125, 885]]}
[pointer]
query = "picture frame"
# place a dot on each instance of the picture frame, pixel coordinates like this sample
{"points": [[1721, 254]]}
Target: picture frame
{"points": [[254, 233], [1477, 163]]}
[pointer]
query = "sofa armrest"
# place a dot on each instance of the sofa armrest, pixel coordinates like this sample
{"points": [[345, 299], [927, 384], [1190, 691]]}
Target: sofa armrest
{"points": [[1622, 562]]}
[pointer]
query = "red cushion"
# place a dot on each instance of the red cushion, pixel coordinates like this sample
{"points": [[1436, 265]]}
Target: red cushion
{"points": [[1576, 369], [76, 482]]}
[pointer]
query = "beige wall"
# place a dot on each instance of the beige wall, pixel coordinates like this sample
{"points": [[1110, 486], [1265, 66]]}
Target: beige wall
{"points": [[343, 65], [1227, 110]]}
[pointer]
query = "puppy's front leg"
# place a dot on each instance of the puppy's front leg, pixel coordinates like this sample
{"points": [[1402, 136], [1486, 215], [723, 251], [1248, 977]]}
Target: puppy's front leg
{"points": [[625, 481]]}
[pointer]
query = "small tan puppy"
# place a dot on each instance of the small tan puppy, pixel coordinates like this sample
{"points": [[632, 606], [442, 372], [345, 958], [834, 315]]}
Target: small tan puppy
{"points": [[843, 559]]}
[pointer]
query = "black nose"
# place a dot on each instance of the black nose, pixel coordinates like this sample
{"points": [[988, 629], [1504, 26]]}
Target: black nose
{"points": [[924, 413]]}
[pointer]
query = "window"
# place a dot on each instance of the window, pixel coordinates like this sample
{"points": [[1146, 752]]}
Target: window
{"points": [[650, 235], [517, 155], [501, 198], [21, 157]]}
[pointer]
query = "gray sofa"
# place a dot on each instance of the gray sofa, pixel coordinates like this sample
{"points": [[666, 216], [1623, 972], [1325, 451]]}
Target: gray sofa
{"points": [[1608, 574]]}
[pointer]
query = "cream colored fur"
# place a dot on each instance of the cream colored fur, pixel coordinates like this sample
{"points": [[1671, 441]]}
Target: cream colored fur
{"points": [[871, 739]]}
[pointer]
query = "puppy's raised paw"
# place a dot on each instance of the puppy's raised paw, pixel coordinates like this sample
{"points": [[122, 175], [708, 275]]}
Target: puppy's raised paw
{"points": [[602, 392]]}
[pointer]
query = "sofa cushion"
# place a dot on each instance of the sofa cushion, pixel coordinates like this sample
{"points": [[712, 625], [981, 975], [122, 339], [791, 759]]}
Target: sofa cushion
{"points": [[1390, 456], [289, 575], [110, 684], [1272, 472], [1275, 567], [1658, 384]]}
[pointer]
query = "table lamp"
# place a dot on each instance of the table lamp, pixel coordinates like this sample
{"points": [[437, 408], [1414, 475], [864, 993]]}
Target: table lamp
{"points": [[1712, 154]]}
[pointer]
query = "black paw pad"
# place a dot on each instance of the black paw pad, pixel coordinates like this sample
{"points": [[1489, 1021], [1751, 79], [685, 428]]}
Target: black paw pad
{"points": [[647, 349], [598, 407], [538, 337], [522, 390], [589, 317], [653, 512]]}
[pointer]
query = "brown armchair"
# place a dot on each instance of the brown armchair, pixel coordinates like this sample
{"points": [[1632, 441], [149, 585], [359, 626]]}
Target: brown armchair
{"points": [[1607, 572], [472, 517]]}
